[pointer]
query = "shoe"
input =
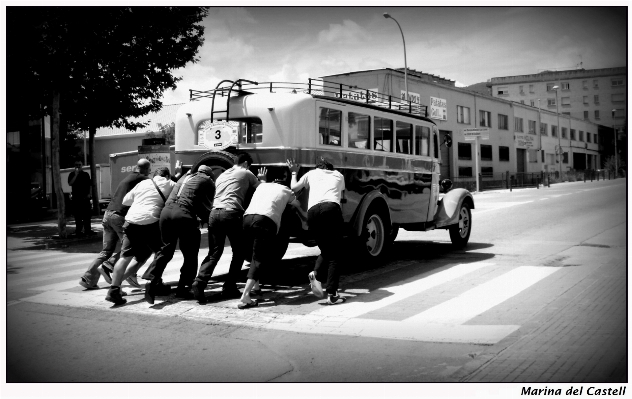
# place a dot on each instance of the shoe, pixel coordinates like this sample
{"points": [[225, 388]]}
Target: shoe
{"points": [[84, 283], [317, 288], [162, 289], [252, 304], [184, 293], [231, 293], [106, 273], [123, 293], [114, 295], [198, 291], [335, 299], [132, 280], [107, 265], [154, 290]]}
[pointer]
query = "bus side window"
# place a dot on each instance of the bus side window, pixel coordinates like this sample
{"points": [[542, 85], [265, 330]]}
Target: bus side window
{"points": [[435, 143], [404, 137], [422, 140], [383, 134], [359, 130], [330, 126]]}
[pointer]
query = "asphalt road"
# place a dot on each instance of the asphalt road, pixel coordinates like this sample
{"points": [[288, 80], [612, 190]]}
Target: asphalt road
{"points": [[538, 296]]}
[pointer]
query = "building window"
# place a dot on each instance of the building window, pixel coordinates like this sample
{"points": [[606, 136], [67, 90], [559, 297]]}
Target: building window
{"points": [[596, 83], [531, 90], [566, 101], [550, 102], [572, 134], [463, 114], [531, 127], [619, 113], [486, 118], [585, 84], [595, 138], [503, 154], [503, 91], [597, 114], [544, 129], [533, 156], [585, 100], [618, 97], [465, 151], [617, 82], [382, 134], [566, 86], [503, 122], [465, 171], [330, 126], [521, 101], [588, 137], [553, 131], [564, 131], [549, 86], [518, 125], [359, 130], [596, 99], [581, 135], [585, 115], [532, 102], [487, 171], [486, 152], [565, 157], [521, 88], [542, 152]]}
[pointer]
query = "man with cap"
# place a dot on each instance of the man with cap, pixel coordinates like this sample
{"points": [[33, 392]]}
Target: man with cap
{"points": [[191, 200]]}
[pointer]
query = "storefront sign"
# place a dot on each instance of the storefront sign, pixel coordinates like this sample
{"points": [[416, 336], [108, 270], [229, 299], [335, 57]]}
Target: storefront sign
{"points": [[438, 109], [414, 98], [474, 133], [525, 141], [158, 155], [358, 95], [217, 135]]}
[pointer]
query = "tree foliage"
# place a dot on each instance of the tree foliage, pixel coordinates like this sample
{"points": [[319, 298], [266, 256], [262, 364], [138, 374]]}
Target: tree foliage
{"points": [[168, 132]]}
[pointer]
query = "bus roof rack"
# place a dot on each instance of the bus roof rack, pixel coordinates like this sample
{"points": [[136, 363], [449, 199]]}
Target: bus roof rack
{"points": [[314, 87]]}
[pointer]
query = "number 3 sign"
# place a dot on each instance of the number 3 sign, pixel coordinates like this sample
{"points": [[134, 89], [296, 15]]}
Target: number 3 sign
{"points": [[217, 135]]}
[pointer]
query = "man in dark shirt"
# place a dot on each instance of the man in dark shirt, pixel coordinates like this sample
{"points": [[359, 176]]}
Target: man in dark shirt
{"points": [[81, 194], [113, 225], [190, 200]]}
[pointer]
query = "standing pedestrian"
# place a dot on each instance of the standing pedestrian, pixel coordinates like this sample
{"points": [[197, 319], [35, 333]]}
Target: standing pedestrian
{"points": [[141, 228], [324, 218], [232, 188], [262, 221], [113, 227], [80, 196], [191, 199]]}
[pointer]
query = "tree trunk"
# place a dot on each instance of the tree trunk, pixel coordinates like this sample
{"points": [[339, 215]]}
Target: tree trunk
{"points": [[55, 138], [93, 171]]}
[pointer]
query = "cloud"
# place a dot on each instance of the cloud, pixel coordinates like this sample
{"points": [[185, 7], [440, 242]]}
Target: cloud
{"points": [[349, 32]]}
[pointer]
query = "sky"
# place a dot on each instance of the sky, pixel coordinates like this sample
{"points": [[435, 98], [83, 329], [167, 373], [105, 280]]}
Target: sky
{"points": [[466, 44]]}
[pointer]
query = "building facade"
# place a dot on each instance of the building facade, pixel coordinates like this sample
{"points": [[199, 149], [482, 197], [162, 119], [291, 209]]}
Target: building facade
{"points": [[521, 138], [589, 94]]}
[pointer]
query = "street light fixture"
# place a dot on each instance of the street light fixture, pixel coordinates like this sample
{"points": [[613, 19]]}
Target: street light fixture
{"points": [[616, 161], [559, 132], [387, 15]]}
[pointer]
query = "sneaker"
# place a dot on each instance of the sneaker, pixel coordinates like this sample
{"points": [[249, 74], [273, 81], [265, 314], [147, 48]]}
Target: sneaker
{"points": [[317, 288], [335, 299], [184, 293], [85, 284], [230, 293], [198, 291], [133, 281], [108, 265], [114, 295], [106, 273]]}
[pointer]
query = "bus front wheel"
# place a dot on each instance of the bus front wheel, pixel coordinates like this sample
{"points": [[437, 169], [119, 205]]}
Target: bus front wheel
{"points": [[374, 239], [460, 232]]}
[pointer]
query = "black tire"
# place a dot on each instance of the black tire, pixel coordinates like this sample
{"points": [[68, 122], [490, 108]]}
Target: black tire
{"points": [[460, 232], [219, 161], [393, 235], [374, 240]]}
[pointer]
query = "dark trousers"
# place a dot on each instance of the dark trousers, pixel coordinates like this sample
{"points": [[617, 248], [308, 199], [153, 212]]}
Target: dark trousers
{"points": [[326, 225], [141, 240], [260, 234], [82, 211], [176, 224], [221, 224]]}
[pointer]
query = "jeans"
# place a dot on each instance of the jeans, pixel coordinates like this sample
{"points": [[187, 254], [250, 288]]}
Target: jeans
{"points": [[176, 224], [326, 225], [112, 233], [261, 234], [223, 223]]}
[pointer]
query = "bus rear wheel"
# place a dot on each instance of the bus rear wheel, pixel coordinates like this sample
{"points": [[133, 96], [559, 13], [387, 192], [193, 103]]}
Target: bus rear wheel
{"points": [[374, 238], [219, 161], [460, 232]]}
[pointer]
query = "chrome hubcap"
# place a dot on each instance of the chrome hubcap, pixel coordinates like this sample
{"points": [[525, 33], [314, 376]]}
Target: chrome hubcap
{"points": [[375, 238], [464, 223]]}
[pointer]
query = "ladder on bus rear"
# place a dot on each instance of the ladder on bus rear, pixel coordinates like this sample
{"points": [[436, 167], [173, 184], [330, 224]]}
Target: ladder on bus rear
{"points": [[230, 90]]}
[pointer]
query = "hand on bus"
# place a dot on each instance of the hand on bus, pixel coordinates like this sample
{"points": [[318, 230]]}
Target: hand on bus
{"points": [[294, 167]]}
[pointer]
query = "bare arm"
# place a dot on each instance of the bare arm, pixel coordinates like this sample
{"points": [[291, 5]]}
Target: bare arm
{"points": [[294, 168]]}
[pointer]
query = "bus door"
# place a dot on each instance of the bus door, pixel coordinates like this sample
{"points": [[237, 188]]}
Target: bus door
{"points": [[423, 171], [436, 171]]}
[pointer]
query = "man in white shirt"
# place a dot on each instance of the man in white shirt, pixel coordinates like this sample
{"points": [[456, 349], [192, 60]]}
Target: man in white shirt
{"points": [[141, 229], [324, 217]]}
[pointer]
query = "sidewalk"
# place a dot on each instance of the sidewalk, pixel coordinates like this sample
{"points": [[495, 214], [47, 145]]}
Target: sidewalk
{"points": [[45, 234]]}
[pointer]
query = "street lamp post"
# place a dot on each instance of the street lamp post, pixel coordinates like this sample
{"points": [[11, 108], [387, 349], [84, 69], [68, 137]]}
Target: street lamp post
{"points": [[559, 132], [387, 15], [616, 161]]}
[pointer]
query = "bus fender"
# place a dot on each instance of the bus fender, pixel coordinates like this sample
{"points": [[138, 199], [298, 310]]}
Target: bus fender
{"points": [[363, 207], [448, 207]]}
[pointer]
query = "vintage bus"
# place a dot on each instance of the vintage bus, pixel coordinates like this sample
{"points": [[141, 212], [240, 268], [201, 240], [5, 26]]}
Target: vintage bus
{"points": [[386, 148]]}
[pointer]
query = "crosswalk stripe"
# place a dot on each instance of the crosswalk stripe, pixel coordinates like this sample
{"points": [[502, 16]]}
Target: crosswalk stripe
{"points": [[12, 257], [483, 297], [401, 291]]}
